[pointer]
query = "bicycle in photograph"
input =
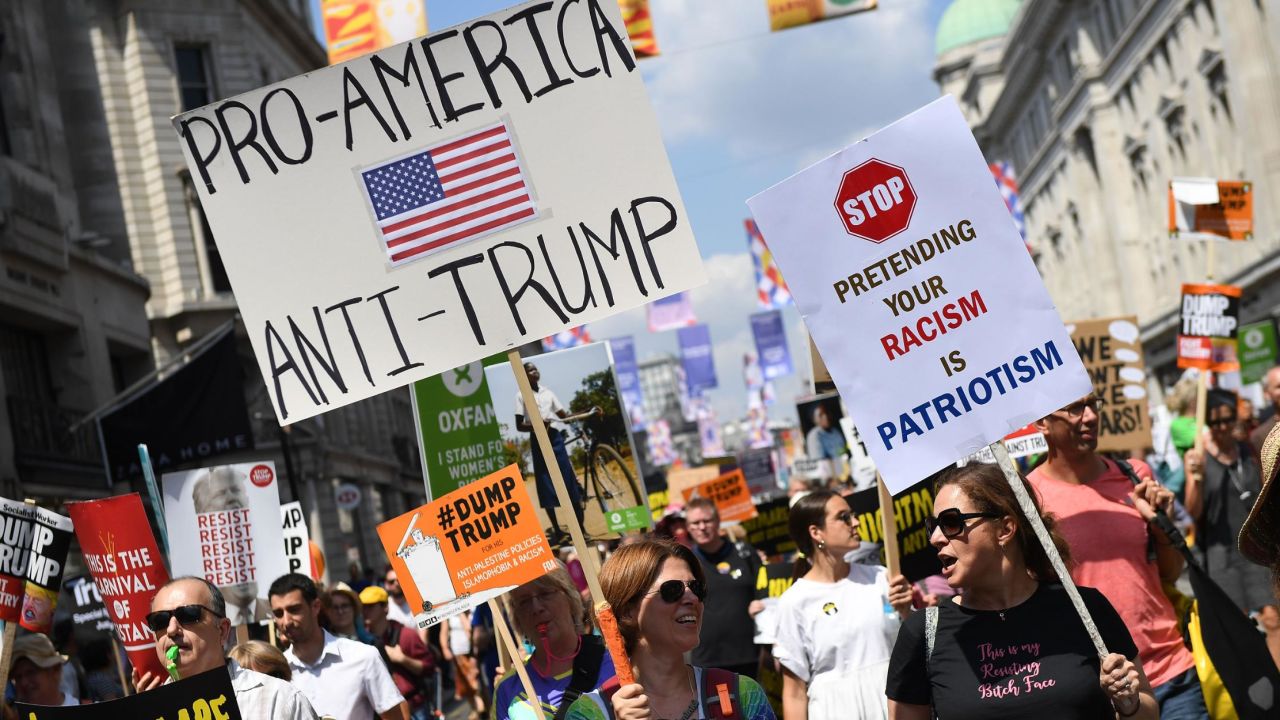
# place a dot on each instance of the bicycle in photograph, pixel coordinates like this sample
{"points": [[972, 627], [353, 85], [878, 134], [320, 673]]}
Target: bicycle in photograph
{"points": [[607, 479]]}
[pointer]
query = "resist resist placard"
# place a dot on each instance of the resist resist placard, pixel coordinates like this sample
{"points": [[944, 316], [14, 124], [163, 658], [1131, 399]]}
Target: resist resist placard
{"points": [[920, 294], [430, 204]]}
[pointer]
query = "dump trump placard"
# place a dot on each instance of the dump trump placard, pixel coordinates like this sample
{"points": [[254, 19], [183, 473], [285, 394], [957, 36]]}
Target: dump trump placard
{"points": [[467, 547], [439, 201], [730, 494], [1207, 327], [32, 559], [920, 294]]}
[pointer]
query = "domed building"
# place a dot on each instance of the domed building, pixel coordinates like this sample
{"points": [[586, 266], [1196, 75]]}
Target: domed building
{"points": [[1096, 105]]}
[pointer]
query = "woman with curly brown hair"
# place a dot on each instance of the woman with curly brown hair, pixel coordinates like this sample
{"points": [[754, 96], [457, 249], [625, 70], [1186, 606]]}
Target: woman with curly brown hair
{"points": [[1011, 645]]}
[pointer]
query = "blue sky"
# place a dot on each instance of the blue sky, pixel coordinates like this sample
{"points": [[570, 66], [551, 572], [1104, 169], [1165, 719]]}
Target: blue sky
{"points": [[741, 109]]}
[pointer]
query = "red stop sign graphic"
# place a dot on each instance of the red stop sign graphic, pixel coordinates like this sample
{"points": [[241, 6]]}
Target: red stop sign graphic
{"points": [[261, 475], [875, 200]]}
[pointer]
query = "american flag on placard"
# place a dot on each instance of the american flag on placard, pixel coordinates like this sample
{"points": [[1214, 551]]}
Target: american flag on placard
{"points": [[448, 193], [771, 289], [573, 337], [1003, 174]]}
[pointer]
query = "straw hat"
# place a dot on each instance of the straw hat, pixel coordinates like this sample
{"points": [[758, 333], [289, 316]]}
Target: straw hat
{"points": [[38, 649], [1260, 534]]}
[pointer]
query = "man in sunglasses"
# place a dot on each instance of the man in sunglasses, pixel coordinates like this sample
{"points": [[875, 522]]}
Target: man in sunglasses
{"points": [[1104, 518], [189, 613]]}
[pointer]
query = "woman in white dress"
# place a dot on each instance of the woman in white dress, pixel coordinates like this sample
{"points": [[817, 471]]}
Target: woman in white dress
{"points": [[837, 622]]}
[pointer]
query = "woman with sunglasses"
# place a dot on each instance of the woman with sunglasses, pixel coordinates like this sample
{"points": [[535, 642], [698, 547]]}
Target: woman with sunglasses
{"points": [[1011, 645], [837, 621], [656, 589]]}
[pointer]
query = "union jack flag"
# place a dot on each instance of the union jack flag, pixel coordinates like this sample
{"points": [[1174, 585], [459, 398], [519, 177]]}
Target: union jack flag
{"points": [[448, 193], [573, 337], [771, 289], [1003, 174]]}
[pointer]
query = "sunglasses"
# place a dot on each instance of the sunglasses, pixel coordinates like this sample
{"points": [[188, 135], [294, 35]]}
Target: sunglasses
{"points": [[187, 615], [672, 590], [952, 521], [1222, 422]]}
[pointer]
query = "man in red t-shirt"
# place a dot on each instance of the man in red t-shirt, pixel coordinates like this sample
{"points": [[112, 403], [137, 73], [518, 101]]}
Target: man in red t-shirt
{"points": [[1104, 519], [409, 659]]}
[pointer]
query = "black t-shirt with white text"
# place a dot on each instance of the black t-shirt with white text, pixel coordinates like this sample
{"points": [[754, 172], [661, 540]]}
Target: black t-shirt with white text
{"points": [[1035, 661]]}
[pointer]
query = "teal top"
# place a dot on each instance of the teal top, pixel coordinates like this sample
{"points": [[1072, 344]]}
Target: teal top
{"points": [[755, 705]]}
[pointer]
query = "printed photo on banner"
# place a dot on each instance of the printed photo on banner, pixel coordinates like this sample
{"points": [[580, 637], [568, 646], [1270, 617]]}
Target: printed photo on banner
{"points": [[1207, 327], [887, 247], [730, 494], [127, 568], [224, 526], [578, 398], [1111, 350], [824, 439], [297, 539], [918, 558], [424, 232], [207, 696], [467, 547], [458, 435], [32, 560]]}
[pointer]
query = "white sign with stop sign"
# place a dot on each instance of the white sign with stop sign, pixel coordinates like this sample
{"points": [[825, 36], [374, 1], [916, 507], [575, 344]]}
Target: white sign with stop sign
{"points": [[929, 313]]}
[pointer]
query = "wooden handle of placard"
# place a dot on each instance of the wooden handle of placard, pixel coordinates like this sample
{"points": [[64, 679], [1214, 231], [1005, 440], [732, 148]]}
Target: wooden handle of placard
{"points": [[614, 643], [242, 634], [6, 655], [115, 660], [588, 559], [1202, 406], [891, 559], [1042, 533], [504, 635]]}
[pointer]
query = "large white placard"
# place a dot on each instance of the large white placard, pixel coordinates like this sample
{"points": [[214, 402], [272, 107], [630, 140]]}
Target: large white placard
{"points": [[920, 294], [419, 208], [224, 526]]}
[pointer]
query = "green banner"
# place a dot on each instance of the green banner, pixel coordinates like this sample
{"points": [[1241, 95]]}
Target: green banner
{"points": [[1257, 350], [457, 427], [632, 518]]}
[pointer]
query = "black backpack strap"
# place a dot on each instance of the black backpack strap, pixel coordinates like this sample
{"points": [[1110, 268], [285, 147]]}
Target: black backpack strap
{"points": [[720, 694], [586, 668]]}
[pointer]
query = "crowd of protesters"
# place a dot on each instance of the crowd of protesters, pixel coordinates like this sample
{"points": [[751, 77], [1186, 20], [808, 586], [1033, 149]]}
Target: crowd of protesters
{"points": [[994, 635]]}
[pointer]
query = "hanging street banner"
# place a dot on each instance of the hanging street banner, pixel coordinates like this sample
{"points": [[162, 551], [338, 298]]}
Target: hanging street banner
{"points": [[194, 413], [1210, 209], [127, 568], [32, 559], [297, 539], [910, 509], [207, 696], [730, 494], [888, 246], [671, 312], [1112, 353], [458, 433], [1258, 350], [356, 27], [785, 14], [697, 357], [639, 22], [224, 526], [440, 201], [658, 442], [630, 391], [768, 530], [467, 547], [771, 344], [82, 602], [1207, 329]]}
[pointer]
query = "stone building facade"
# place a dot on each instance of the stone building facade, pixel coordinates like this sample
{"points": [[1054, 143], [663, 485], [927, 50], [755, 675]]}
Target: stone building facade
{"points": [[1098, 104]]}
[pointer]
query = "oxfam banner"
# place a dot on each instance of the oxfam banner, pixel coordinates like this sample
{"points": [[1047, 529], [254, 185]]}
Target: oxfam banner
{"points": [[457, 429]]}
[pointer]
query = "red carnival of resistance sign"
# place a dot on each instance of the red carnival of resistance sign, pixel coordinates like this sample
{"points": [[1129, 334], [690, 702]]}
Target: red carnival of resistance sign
{"points": [[127, 567]]}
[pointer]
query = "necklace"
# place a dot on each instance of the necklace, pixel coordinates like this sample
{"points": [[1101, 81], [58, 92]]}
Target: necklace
{"points": [[689, 711]]}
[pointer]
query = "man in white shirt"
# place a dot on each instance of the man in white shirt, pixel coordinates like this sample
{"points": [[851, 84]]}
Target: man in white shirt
{"points": [[397, 607], [190, 613], [342, 678], [549, 408]]}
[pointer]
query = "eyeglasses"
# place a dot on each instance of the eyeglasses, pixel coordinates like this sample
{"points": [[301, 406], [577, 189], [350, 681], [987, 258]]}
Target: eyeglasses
{"points": [[700, 523], [952, 521], [1076, 409], [1222, 421], [341, 608], [672, 590], [187, 615], [544, 598]]}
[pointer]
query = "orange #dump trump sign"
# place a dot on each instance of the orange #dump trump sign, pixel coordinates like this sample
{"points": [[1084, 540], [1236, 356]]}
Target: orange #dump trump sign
{"points": [[468, 547], [730, 494]]}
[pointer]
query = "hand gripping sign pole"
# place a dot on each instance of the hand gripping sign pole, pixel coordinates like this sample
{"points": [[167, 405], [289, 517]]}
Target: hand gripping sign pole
{"points": [[1042, 533], [891, 558]]}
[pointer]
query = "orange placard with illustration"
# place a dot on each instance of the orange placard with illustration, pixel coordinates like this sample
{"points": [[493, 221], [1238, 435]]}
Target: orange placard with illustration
{"points": [[468, 547], [730, 493]]}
